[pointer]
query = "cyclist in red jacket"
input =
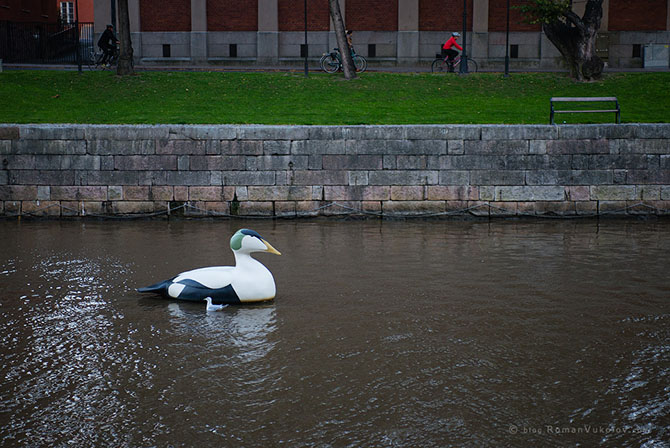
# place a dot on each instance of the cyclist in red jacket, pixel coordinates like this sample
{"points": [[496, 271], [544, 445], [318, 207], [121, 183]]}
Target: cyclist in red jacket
{"points": [[450, 53]]}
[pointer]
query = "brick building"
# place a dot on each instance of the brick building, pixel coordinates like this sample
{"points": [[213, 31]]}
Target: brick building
{"points": [[391, 32]]}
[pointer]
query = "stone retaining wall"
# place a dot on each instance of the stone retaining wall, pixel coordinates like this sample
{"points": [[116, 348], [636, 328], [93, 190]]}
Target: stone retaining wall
{"points": [[289, 171]]}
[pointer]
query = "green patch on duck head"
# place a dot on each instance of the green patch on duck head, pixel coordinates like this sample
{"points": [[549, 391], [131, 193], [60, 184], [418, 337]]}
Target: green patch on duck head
{"points": [[236, 240]]}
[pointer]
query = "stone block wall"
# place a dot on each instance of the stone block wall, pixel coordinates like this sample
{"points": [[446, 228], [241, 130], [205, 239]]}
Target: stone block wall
{"points": [[290, 171]]}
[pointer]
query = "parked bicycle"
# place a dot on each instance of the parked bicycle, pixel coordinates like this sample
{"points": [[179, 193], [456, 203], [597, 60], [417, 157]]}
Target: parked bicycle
{"points": [[94, 60], [440, 64], [332, 62]]}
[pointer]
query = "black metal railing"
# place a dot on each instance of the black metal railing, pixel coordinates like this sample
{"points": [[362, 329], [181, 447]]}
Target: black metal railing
{"points": [[44, 43]]}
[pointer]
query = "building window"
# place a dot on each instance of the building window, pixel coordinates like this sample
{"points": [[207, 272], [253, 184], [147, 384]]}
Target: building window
{"points": [[67, 12]]}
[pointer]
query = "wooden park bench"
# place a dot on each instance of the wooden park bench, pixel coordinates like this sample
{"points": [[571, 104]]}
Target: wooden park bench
{"points": [[595, 99]]}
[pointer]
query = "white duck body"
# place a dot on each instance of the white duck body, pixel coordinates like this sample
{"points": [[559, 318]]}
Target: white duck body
{"points": [[247, 281]]}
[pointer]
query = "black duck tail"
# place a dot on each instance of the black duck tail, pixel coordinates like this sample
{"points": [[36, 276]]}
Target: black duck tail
{"points": [[157, 288]]}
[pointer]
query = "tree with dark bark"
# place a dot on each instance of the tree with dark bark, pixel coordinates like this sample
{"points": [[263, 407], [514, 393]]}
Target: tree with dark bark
{"points": [[345, 52], [125, 64], [573, 36]]}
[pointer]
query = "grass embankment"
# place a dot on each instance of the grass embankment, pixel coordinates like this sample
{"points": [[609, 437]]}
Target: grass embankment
{"points": [[290, 98]]}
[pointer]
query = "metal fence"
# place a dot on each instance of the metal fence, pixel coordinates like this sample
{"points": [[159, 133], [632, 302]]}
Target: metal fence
{"points": [[44, 43]]}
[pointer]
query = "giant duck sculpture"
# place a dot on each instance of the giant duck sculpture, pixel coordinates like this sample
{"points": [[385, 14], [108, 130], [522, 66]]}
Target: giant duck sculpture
{"points": [[248, 281]]}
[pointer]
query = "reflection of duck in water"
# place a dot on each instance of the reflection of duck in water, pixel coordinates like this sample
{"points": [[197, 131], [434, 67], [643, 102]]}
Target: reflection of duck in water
{"points": [[247, 281]]}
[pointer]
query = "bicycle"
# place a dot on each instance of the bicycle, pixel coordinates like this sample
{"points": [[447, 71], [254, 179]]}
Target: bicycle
{"points": [[440, 64], [94, 60], [332, 62]]}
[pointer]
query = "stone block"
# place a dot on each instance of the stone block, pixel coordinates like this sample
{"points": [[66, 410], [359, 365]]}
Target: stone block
{"points": [[75, 162], [665, 192], [537, 147], [145, 163], [55, 147], [502, 209], [452, 193], [250, 178], [426, 132], [6, 147], [9, 132], [407, 193], [161, 193], [316, 177], [392, 177], [40, 208], [412, 162], [121, 147], [136, 193], [18, 192], [42, 177], [180, 193], [207, 193], [185, 147], [12, 207], [455, 147], [276, 147], [578, 147], [395, 147], [454, 177], [519, 132], [375, 132], [529, 193], [555, 208], [389, 162], [254, 208], [43, 193], [279, 193], [267, 132], [614, 193], [187, 178], [51, 132], [29, 162], [70, 208], [208, 208], [126, 132], [612, 207], [494, 177], [352, 162], [577, 193], [315, 162], [652, 131], [312, 147], [268, 163], [74, 193], [648, 177], [643, 146], [596, 131], [306, 208], [327, 132], [115, 193], [150, 177], [218, 163], [202, 132], [413, 208], [4, 177], [456, 207], [132, 207], [242, 147], [183, 163], [496, 147], [285, 209]]}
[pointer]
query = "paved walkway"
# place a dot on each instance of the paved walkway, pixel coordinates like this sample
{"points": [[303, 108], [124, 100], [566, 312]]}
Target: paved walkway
{"points": [[294, 68]]}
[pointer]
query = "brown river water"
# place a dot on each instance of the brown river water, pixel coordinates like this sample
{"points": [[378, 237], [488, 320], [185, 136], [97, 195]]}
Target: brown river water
{"points": [[383, 334]]}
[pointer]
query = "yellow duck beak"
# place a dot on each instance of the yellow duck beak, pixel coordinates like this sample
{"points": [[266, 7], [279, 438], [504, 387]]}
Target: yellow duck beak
{"points": [[271, 249]]}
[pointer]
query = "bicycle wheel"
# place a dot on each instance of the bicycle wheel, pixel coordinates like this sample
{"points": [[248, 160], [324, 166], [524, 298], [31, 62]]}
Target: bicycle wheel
{"points": [[360, 63], [330, 63], [472, 65], [439, 66], [90, 60]]}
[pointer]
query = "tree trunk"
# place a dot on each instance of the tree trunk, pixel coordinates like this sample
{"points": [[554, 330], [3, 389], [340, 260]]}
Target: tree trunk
{"points": [[347, 61], [575, 38], [125, 65]]}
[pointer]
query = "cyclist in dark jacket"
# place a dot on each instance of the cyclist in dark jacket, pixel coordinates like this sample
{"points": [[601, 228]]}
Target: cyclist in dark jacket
{"points": [[107, 44]]}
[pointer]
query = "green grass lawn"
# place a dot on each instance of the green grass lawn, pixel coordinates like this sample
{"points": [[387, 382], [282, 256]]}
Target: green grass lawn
{"points": [[289, 98]]}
